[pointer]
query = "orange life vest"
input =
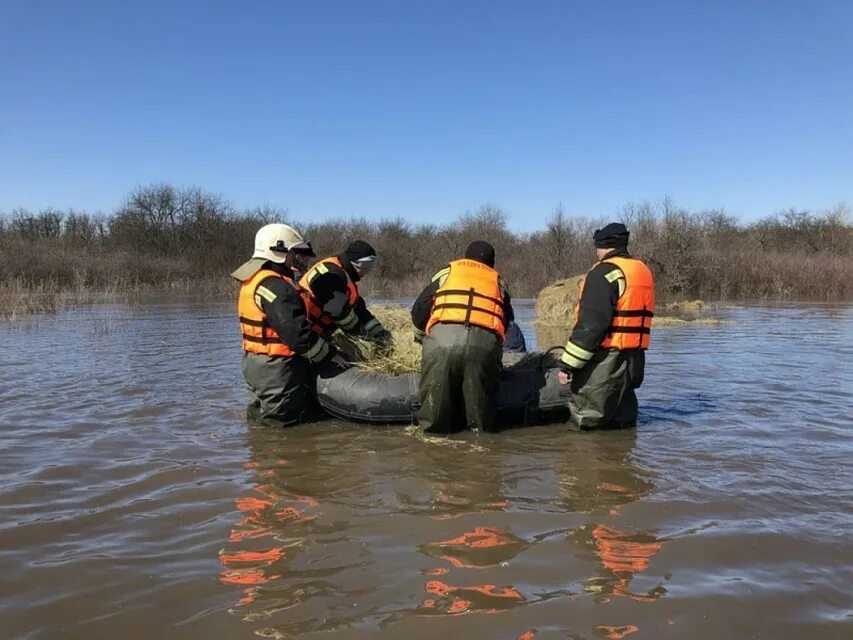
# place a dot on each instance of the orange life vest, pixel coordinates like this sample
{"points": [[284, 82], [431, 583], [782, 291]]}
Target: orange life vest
{"points": [[471, 295], [632, 318], [320, 321], [258, 336]]}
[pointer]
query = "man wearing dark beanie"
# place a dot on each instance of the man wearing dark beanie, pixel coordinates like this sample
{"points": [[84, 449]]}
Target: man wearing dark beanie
{"points": [[481, 251], [331, 294], [604, 359], [461, 319]]}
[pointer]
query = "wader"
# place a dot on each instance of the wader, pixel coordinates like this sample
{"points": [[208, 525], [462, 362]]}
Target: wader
{"points": [[603, 391], [460, 374], [281, 389]]}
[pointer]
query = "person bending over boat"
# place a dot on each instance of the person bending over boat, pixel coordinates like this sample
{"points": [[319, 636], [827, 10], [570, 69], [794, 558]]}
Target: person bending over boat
{"points": [[332, 298], [461, 318], [278, 344]]}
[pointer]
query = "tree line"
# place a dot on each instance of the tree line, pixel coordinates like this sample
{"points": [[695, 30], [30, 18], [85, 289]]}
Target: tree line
{"points": [[162, 237]]}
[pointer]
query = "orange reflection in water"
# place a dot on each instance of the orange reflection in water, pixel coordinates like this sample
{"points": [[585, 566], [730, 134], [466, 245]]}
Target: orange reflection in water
{"points": [[262, 516], [440, 588], [461, 599], [611, 631], [623, 554], [476, 549], [481, 547], [254, 574]]}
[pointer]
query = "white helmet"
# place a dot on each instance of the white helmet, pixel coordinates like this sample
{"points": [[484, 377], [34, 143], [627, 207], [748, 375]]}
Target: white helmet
{"points": [[273, 241]]}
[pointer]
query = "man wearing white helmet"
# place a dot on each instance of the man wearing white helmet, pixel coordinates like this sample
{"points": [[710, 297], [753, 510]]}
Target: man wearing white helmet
{"points": [[278, 343]]}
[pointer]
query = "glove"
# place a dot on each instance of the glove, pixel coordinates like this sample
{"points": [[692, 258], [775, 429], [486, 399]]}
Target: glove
{"points": [[384, 337], [339, 361]]}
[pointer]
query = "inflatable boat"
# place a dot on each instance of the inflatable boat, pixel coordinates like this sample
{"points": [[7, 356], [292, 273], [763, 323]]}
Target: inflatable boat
{"points": [[530, 393]]}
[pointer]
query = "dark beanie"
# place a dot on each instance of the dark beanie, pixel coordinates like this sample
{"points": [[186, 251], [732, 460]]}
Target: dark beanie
{"points": [[358, 250], [481, 251], [612, 236]]}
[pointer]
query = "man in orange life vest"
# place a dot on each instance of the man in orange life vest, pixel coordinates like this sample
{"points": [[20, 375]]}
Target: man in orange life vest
{"points": [[331, 294], [279, 346], [604, 359], [461, 317]]}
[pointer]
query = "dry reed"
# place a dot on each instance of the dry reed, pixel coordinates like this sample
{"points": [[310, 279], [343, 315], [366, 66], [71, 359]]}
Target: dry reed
{"points": [[168, 239], [403, 357], [19, 298]]}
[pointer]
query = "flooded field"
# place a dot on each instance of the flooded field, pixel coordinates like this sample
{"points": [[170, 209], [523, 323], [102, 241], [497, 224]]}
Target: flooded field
{"points": [[136, 503]]}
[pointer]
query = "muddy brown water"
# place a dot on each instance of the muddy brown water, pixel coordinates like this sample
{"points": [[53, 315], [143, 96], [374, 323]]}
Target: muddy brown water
{"points": [[136, 503]]}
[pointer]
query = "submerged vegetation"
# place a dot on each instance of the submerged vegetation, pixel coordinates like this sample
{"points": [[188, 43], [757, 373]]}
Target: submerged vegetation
{"points": [[187, 240]]}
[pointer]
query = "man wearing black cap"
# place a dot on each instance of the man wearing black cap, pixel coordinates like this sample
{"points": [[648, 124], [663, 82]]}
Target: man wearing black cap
{"points": [[332, 297], [461, 318], [604, 359]]}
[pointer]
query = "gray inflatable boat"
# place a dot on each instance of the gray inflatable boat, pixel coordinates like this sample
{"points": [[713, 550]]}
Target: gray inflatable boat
{"points": [[530, 393]]}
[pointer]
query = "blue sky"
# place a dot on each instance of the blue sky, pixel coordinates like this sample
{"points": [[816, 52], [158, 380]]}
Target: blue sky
{"points": [[426, 110]]}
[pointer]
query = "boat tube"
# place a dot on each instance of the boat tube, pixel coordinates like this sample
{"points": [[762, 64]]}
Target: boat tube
{"points": [[530, 393]]}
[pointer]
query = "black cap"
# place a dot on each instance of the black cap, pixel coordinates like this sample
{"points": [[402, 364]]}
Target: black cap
{"points": [[481, 251], [359, 249], [612, 236]]}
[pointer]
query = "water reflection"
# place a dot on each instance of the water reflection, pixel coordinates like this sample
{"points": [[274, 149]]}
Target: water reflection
{"points": [[622, 554], [257, 552], [114, 512], [597, 475], [307, 533], [479, 548], [272, 529], [601, 482]]}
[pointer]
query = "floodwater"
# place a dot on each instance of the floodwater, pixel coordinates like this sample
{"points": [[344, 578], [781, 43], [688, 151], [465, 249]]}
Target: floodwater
{"points": [[136, 503]]}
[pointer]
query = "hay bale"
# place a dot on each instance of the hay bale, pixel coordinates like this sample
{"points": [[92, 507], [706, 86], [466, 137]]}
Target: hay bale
{"points": [[405, 355], [555, 304], [555, 312], [685, 306], [552, 335]]}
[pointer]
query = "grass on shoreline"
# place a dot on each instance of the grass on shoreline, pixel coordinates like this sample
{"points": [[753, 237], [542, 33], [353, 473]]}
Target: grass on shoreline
{"points": [[20, 298]]}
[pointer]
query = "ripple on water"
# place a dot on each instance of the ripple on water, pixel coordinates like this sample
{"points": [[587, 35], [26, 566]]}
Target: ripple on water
{"points": [[136, 501]]}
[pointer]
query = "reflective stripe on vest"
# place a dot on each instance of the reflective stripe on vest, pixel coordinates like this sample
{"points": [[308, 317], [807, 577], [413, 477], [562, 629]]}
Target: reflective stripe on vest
{"points": [[470, 295], [258, 335], [632, 317], [321, 322]]}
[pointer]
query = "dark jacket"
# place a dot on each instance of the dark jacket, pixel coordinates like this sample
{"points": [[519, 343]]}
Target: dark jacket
{"points": [[286, 313], [330, 291], [596, 306], [515, 342]]}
